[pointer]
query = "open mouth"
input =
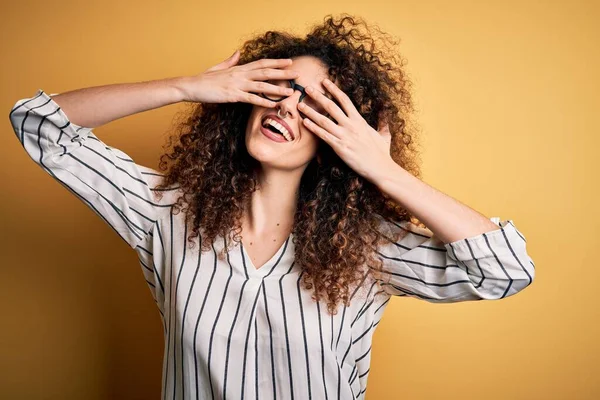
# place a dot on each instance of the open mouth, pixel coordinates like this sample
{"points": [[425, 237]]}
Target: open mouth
{"points": [[272, 135], [272, 125]]}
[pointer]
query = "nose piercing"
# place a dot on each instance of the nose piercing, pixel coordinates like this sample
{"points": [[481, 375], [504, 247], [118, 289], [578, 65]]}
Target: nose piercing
{"points": [[279, 115]]}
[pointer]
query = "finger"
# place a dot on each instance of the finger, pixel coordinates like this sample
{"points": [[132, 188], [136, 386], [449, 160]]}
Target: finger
{"points": [[383, 127], [268, 88], [330, 139], [266, 63], [328, 104], [231, 61], [272, 73], [319, 118], [381, 121], [342, 98], [385, 131], [257, 100]]}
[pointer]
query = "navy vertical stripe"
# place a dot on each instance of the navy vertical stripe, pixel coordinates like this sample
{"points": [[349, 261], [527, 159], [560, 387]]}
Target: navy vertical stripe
{"points": [[287, 339], [304, 335], [322, 351], [195, 349], [273, 379], [187, 302]]}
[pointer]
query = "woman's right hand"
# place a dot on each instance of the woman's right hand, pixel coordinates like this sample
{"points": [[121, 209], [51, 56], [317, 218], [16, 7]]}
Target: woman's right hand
{"points": [[229, 83]]}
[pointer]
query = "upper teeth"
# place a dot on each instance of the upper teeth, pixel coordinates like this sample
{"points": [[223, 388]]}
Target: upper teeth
{"points": [[279, 127]]}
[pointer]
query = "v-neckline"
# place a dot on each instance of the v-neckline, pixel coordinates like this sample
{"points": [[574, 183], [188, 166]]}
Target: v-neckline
{"points": [[262, 271]]}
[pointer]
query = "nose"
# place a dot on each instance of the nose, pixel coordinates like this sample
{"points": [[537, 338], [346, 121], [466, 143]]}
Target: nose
{"points": [[289, 104]]}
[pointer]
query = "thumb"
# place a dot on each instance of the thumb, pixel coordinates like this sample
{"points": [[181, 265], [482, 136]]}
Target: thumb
{"points": [[229, 62], [382, 126]]}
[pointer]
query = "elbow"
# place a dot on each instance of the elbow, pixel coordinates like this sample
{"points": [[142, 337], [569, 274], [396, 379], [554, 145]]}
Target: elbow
{"points": [[509, 287], [525, 279], [507, 275]]}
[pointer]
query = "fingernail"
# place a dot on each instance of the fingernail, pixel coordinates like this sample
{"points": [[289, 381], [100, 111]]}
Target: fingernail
{"points": [[309, 89]]}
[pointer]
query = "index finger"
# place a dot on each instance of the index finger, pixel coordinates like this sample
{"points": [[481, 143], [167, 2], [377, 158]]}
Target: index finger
{"points": [[342, 98], [267, 63]]}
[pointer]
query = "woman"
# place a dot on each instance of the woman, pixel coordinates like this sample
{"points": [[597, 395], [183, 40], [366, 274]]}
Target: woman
{"points": [[287, 217]]}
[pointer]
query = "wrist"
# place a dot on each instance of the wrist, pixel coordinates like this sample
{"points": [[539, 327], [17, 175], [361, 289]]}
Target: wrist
{"points": [[179, 86], [390, 176]]}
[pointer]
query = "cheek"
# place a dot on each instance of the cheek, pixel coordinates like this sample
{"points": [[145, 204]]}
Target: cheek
{"points": [[309, 143], [309, 135], [253, 116]]}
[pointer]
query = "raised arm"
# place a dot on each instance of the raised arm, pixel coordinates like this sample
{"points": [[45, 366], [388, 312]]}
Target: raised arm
{"points": [[53, 132], [56, 132], [95, 106], [491, 266]]}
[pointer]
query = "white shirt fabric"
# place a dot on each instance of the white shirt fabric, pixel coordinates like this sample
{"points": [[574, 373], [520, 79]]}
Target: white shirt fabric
{"points": [[234, 331]]}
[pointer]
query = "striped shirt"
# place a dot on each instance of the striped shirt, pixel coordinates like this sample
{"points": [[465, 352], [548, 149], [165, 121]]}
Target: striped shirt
{"points": [[232, 330]]}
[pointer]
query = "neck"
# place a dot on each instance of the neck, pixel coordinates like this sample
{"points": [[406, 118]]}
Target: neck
{"points": [[273, 205]]}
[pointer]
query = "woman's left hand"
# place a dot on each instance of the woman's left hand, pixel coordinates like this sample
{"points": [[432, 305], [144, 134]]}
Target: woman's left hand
{"points": [[364, 149]]}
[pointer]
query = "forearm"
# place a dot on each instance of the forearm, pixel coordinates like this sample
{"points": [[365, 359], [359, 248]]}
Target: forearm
{"points": [[447, 218], [94, 106]]}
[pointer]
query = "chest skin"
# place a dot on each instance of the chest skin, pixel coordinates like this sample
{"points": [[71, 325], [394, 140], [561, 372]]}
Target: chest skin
{"points": [[263, 247]]}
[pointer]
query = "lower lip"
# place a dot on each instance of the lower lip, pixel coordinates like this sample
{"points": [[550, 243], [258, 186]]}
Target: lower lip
{"points": [[273, 136]]}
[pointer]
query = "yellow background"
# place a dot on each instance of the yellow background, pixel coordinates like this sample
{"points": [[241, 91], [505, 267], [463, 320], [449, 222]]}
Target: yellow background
{"points": [[507, 93]]}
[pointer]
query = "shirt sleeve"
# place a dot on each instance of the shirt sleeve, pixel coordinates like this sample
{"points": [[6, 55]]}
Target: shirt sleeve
{"points": [[106, 179], [492, 265]]}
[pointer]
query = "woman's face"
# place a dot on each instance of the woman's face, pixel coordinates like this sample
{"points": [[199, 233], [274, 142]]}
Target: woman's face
{"points": [[298, 152]]}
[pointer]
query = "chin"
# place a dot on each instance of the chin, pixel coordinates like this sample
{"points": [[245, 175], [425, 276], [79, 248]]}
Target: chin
{"points": [[270, 156]]}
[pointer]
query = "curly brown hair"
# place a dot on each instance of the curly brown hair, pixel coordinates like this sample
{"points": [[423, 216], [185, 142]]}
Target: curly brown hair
{"points": [[338, 216]]}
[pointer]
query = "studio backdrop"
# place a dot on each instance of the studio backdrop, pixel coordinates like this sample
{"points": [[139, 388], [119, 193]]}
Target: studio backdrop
{"points": [[507, 104]]}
